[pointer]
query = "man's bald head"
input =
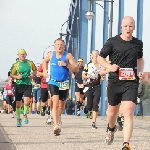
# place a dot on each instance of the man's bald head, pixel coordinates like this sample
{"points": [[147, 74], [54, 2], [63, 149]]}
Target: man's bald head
{"points": [[128, 19], [127, 26]]}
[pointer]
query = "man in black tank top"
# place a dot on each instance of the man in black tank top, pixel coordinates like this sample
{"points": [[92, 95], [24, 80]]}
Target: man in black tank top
{"points": [[79, 86]]}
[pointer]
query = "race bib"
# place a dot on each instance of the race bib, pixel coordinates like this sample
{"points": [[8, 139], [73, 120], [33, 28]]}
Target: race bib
{"points": [[80, 85], [126, 74], [63, 85], [37, 86], [9, 91]]}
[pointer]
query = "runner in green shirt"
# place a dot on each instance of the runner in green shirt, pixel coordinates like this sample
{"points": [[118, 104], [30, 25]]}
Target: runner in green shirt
{"points": [[22, 72]]}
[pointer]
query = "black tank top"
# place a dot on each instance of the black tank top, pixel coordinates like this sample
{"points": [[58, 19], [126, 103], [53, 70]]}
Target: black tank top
{"points": [[78, 76]]}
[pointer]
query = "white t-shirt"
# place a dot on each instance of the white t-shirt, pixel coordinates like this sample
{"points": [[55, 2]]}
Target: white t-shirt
{"points": [[93, 71]]}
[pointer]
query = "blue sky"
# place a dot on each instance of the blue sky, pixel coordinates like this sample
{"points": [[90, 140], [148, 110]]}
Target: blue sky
{"points": [[35, 24]]}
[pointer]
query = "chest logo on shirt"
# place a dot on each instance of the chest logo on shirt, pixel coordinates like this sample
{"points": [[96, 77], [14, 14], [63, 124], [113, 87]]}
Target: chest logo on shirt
{"points": [[53, 64]]}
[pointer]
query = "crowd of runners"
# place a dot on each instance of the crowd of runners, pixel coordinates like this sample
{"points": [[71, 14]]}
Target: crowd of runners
{"points": [[45, 88]]}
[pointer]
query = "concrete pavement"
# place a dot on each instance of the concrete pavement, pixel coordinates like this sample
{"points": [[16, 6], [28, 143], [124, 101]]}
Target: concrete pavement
{"points": [[76, 134]]}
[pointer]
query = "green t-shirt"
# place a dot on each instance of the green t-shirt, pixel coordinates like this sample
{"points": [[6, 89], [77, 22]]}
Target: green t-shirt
{"points": [[23, 68]]}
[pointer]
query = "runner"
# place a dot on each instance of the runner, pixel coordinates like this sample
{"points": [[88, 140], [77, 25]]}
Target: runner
{"points": [[21, 71], [4, 93], [9, 96], [13, 92], [79, 86], [44, 94], [126, 55], [60, 64], [85, 79], [93, 84], [36, 94]]}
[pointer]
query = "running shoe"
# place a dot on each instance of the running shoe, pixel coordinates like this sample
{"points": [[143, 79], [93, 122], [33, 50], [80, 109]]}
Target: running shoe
{"points": [[57, 130], [126, 147], [109, 136], [19, 122], [42, 113], [26, 121], [94, 125], [49, 121]]}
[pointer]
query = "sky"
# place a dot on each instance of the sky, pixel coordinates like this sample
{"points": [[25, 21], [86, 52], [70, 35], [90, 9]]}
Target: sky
{"points": [[29, 24], [34, 25]]}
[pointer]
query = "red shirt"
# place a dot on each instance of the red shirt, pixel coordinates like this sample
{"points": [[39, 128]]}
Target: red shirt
{"points": [[9, 89], [43, 79]]}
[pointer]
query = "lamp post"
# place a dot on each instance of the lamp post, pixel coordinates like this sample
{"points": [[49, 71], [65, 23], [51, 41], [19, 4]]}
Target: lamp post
{"points": [[105, 35], [63, 34], [46, 49], [90, 14]]}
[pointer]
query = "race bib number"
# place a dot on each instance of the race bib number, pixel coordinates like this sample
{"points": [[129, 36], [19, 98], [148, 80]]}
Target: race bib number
{"points": [[126, 74], [80, 85], [37, 86], [63, 85], [9, 91]]}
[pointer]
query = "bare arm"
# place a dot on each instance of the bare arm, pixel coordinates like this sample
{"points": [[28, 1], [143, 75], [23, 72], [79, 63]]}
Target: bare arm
{"points": [[72, 66], [45, 64], [34, 72], [102, 61], [140, 64], [14, 76], [103, 71], [84, 76]]}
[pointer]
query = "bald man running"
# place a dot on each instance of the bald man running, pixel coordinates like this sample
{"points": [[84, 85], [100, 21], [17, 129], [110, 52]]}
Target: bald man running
{"points": [[126, 55]]}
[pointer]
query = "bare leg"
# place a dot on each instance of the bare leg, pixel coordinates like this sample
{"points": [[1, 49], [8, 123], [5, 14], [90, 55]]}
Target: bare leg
{"points": [[55, 110], [128, 109], [112, 113]]}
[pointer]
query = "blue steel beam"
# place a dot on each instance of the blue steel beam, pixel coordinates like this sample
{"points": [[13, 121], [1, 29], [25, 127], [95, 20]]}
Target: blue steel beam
{"points": [[139, 28], [71, 24], [93, 27], [139, 19], [71, 37], [121, 14], [105, 38], [83, 30]]}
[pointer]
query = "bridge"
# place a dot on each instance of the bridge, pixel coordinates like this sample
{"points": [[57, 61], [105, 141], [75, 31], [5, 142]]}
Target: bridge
{"points": [[78, 39]]}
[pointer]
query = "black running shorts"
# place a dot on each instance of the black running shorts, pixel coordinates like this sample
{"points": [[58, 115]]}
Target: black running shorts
{"points": [[44, 94], [22, 90], [9, 99], [54, 90], [77, 89], [124, 91]]}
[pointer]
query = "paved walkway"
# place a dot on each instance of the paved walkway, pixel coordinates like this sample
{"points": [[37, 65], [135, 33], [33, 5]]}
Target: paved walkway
{"points": [[76, 134]]}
